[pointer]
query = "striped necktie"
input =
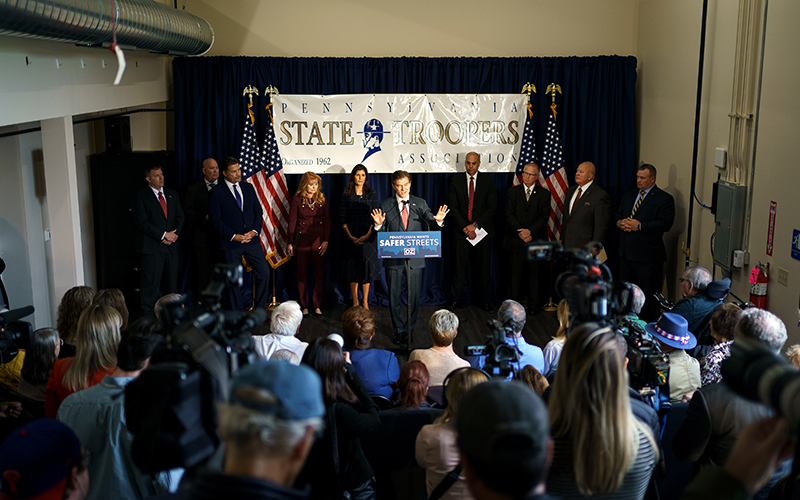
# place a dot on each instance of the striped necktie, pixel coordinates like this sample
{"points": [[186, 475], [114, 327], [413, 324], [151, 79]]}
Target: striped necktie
{"points": [[638, 203]]}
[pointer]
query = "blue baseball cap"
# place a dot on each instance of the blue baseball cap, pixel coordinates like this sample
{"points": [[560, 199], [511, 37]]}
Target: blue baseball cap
{"points": [[297, 390], [37, 458]]}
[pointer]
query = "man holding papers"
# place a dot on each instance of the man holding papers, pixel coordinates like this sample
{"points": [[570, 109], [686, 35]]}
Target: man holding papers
{"points": [[473, 200]]}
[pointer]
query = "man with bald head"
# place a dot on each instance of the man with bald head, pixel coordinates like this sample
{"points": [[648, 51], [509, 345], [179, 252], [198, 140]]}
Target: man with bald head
{"points": [[472, 199], [205, 246], [587, 211]]}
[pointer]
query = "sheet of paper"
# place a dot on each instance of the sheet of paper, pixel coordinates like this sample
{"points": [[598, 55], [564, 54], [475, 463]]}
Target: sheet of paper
{"points": [[480, 234]]}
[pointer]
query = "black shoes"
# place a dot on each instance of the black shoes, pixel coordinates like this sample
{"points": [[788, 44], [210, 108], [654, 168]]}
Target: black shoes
{"points": [[455, 305], [487, 307]]}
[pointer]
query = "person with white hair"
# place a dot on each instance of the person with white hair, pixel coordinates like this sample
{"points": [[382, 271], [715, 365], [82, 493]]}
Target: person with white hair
{"points": [[284, 324], [440, 359], [700, 296]]}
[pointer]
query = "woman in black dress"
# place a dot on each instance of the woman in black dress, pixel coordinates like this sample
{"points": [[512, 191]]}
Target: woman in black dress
{"points": [[361, 247]]}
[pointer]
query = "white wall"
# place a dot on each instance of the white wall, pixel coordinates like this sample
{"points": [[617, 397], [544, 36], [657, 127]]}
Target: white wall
{"points": [[356, 28], [668, 50]]}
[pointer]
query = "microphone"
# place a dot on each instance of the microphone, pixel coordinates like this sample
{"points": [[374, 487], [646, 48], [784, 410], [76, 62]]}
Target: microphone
{"points": [[425, 220]]}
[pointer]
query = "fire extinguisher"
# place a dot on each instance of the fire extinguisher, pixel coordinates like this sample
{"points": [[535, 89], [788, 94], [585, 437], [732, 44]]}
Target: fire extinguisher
{"points": [[758, 285]]}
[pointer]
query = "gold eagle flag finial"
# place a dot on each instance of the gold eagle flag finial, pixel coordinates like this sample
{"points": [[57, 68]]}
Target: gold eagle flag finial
{"points": [[526, 89], [552, 89], [272, 91], [249, 91]]}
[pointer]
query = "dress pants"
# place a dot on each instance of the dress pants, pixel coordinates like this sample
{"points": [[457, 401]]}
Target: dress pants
{"points": [[481, 276], [159, 277], [308, 248], [649, 276], [255, 257], [394, 278]]}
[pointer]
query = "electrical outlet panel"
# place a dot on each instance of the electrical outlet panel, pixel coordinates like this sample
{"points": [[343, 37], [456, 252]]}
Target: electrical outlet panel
{"points": [[783, 276], [729, 221]]}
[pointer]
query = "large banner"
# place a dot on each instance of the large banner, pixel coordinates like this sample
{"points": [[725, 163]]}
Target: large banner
{"points": [[387, 132]]}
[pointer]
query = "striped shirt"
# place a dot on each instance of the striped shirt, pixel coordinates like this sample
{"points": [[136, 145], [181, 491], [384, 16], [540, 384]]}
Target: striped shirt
{"points": [[561, 481]]}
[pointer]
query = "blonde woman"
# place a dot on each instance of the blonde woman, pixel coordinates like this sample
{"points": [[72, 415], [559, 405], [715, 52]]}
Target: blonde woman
{"points": [[309, 233], [97, 338], [552, 351], [436, 449], [601, 449]]}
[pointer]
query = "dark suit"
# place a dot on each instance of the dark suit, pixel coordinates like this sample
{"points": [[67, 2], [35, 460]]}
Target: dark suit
{"points": [[228, 220], [483, 208], [533, 215], [204, 238], [642, 253], [159, 268], [420, 218], [588, 220]]}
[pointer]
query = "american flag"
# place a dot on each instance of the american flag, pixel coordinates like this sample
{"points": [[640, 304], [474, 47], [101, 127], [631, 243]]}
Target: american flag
{"points": [[527, 149], [554, 177], [264, 170]]}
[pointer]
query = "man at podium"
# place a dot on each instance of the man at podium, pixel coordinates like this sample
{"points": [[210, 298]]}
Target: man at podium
{"points": [[403, 212]]}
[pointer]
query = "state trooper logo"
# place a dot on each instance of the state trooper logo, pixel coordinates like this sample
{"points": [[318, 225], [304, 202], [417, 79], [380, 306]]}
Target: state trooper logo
{"points": [[373, 135]]}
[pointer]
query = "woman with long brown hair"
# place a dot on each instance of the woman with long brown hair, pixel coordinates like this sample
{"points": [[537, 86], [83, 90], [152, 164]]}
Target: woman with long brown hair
{"points": [[309, 233], [350, 413], [361, 245], [72, 304]]}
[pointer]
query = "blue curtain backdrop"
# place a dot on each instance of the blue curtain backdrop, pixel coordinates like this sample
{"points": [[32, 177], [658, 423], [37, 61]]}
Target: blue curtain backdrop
{"points": [[596, 120]]}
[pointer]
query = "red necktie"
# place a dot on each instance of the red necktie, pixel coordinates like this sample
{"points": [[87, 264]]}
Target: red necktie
{"points": [[471, 197], [577, 197], [163, 202], [404, 215]]}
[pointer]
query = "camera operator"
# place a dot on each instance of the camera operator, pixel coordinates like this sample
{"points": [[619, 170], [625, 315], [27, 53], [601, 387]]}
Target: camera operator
{"points": [[268, 425], [636, 305], [717, 414], [512, 314]]}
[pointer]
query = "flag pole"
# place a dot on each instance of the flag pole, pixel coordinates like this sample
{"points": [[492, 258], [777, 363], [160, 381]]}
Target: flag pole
{"points": [[552, 89]]}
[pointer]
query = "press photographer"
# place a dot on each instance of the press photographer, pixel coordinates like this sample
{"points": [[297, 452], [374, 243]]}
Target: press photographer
{"points": [[172, 407]]}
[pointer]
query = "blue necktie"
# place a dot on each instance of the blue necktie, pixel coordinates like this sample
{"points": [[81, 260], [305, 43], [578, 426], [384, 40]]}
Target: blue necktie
{"points": [[238, 197]]}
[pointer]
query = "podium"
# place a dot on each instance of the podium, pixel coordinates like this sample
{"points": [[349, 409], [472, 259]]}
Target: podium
{"points": [[409, 245]]}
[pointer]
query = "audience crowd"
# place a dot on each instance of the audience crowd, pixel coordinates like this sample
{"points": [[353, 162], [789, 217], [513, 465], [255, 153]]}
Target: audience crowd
{"points": [[565, 423]]}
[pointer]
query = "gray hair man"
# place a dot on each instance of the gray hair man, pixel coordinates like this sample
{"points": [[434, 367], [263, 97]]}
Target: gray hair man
{"points": [[268, 427], [716, 414], [700, 296], [504, 438], [512, 316], [636, 305], [284, 325]]}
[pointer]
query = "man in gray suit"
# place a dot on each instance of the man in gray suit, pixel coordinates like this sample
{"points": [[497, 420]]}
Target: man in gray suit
{"points": [[405, 213], [587, 210]]}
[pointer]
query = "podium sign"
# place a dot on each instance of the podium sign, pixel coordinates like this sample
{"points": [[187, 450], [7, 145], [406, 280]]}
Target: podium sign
{"points": [[409, 244]]}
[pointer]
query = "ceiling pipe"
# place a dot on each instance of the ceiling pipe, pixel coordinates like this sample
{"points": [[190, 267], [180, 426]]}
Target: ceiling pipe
{"points": [[140, 24]]}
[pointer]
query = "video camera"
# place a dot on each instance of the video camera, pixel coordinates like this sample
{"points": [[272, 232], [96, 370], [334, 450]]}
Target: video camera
{"points": [[14, 334], [171, 407], [502, 360], [593, 296]]}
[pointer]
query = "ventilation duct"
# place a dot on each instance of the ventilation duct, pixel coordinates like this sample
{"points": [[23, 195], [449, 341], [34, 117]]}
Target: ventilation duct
{"points": [[140, 24]]}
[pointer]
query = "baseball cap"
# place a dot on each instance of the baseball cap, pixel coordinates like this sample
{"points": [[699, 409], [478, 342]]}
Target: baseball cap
{"points": [[36, 460], [297, 390], [501, 421]]}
